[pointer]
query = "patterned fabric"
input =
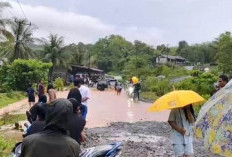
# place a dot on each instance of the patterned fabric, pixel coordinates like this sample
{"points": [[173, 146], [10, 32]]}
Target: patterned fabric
{"points": [[214, 123]]}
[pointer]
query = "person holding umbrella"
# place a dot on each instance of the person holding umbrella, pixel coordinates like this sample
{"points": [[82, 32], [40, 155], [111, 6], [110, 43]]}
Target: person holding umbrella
{"points": [[181, 118]]}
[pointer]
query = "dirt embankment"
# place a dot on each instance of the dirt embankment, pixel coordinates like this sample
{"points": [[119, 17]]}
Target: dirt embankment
{"points": [[141, 139]]}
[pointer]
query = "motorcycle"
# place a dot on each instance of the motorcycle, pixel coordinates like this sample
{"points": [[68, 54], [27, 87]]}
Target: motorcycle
{"points": [[111, 150]]}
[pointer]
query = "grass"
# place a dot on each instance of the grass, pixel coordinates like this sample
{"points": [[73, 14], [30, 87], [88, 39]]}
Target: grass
{"points": [[149, 95], [12, 118], [6, 146], [9, 98], [7, 143]]}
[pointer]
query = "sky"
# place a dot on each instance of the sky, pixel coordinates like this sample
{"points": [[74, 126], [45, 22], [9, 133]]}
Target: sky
{"points": [[151, 21]]}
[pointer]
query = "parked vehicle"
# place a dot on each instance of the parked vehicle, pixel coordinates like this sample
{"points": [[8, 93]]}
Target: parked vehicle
{"points": [[102, 85]]}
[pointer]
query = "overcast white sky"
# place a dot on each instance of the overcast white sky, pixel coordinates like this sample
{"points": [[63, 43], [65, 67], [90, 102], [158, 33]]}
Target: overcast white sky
{"points": [[151, 21]]}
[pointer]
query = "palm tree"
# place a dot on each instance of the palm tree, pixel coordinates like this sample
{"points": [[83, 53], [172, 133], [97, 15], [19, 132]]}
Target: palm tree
{"points": [[5, 35], [3, 5], [18, 40], [55, 52]]}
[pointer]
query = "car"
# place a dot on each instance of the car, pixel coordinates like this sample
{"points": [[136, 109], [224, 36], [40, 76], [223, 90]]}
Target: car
{"points": [[112, 82], [102, 85]]}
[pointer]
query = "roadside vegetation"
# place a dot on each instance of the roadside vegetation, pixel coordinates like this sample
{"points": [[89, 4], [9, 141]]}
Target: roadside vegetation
{"points": [[12, 97], [6, 146], [12, 118]]}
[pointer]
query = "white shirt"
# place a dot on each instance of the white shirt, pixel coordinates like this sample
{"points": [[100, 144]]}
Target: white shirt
{"points": [[85, 93]]}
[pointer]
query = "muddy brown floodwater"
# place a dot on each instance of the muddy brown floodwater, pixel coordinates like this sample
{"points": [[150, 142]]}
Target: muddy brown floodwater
{"points": [[106, 107]]}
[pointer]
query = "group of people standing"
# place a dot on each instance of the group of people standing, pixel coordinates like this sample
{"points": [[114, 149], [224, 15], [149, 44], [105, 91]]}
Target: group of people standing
{"points": [[56, 127], [31, 92]]}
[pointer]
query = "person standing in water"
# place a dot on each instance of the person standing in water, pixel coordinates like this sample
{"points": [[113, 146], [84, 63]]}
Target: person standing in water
{"points": [[181, 120]]}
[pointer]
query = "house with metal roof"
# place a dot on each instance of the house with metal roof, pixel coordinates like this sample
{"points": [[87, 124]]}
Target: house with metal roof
{"points": [[165, 59]]}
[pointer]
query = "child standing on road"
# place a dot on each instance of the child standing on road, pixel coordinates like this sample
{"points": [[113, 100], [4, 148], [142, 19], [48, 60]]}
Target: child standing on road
{"points": [[181, 121], [119, 89]]}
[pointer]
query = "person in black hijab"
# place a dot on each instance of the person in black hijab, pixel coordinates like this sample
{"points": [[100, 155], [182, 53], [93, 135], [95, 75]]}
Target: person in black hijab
{"points": [[74, 92], [39, 124], [76, 123]]}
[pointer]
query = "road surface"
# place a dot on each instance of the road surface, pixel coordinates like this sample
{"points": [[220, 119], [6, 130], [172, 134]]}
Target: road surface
{"points": [[104, 107]]}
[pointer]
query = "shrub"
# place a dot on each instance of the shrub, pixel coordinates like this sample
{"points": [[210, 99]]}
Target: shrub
{"points": [[6, 146], [202, 84], [21, 73], [71, 85], [171, 72], [152, 84], [59, 84]]}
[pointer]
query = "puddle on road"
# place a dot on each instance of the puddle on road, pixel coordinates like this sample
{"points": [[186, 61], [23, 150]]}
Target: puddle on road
{"points": [[125, 136]]}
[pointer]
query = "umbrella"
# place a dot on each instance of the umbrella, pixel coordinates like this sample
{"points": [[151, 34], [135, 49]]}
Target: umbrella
{"points": [[135, 80], [214, 123], [176, 99]]}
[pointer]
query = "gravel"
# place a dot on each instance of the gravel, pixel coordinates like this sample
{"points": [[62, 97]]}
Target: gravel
{"points": [[141, 139]]}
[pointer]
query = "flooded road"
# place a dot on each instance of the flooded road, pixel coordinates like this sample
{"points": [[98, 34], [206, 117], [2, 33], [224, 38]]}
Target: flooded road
{"points": [[106, 107]]}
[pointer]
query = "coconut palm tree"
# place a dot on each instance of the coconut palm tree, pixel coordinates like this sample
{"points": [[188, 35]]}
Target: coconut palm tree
{"points": [[3, 5], [55, 52], [19, 38], [5, 35]]}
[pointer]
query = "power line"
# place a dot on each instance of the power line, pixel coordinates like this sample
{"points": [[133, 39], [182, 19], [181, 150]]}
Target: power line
{"points": [[22, 10]]}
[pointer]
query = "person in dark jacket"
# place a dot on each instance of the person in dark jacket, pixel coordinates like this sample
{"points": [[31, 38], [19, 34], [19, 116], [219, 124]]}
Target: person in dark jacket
{"points": [[41, 89], [53, 141], [32, 113], [76, 123], [75, 92], [31, 95], [137, 88], [39, 124]]}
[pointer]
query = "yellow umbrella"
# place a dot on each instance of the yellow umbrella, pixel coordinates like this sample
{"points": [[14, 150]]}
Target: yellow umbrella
{"points": [[176, 99], [135, 80]]}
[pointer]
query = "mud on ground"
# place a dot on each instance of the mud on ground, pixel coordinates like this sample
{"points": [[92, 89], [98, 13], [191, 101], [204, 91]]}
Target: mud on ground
{"points": [[141, 139]]}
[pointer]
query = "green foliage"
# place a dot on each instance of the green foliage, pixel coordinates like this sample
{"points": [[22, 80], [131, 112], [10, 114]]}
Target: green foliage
{"points": [[202, 84], [163, 87], [6, 146], [56, 54], [149, 95], [71, 86], [59, 84], [202, 53], [225, 52], [9, 98], [19, 37], [138, 67], [195, 73], [12, 118], [171, 72], [21, 73], [80, 53], [112, 53], [152, 84]]}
